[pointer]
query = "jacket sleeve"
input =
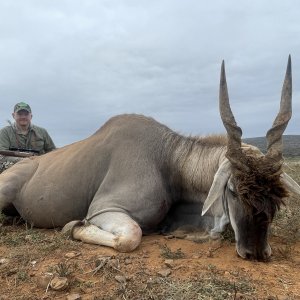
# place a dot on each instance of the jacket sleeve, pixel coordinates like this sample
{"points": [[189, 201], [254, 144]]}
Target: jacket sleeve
{"points": [[4, 139]]}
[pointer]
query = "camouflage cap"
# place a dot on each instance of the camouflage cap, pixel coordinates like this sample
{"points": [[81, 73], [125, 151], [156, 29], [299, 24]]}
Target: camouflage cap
{"points": [[22, 106]]}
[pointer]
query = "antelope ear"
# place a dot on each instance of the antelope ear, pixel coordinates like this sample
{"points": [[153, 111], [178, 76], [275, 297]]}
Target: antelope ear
{"points": [[217, 188], [290, 183]]}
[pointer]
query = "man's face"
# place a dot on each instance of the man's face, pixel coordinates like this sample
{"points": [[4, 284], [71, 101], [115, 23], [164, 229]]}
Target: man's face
{"points": [[22, 118]]}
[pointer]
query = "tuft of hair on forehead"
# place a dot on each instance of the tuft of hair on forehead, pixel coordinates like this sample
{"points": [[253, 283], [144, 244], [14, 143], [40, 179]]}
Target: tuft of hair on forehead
{"points": [[260, 189]]}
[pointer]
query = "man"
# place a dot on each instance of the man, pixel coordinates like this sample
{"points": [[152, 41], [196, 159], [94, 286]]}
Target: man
{"points": [[22, 135]]}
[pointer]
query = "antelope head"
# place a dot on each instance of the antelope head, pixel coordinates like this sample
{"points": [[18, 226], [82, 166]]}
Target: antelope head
{"points": [[252, 185]]}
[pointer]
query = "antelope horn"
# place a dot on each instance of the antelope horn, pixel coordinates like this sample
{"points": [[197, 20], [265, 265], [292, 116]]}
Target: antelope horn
{"points": [[274, 135], [234, 132]]}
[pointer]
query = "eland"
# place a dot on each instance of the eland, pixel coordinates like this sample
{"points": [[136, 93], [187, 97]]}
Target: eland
{"points": [[125, 180]]}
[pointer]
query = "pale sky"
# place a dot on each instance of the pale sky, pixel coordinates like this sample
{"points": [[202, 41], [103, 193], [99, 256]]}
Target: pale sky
{"points": [[78, 63]]}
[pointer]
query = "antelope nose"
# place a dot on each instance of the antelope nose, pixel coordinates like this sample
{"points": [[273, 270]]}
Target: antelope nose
{"points": [[252, 253], [249, 255], [267, 253], [263, 254]]}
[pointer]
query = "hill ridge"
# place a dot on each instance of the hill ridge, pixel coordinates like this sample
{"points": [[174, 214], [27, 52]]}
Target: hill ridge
{"points": [[291, 144]]}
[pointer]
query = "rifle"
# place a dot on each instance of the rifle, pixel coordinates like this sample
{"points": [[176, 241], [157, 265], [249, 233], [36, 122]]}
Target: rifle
{"points": [[33, 151], [17, 153]]}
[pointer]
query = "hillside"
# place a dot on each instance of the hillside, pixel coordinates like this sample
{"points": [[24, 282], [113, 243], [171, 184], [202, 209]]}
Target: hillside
{"points": [[291, 144]]}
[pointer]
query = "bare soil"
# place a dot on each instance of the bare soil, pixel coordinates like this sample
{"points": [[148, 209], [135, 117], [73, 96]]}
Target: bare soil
{"points": [[161, 268]]}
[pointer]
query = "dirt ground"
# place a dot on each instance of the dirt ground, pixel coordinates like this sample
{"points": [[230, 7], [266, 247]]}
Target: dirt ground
{"points": [[43, 264]]}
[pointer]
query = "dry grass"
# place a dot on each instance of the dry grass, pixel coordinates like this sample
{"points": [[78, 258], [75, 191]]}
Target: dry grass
{"points": [[287, 221], [286, 225], [207, 284], [166, 252]]}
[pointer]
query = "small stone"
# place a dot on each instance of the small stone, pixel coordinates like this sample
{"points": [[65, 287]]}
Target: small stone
{"points": [[4, 261], [12, 271], [209, 254], [113, 263], [32, 273], [72, 254], [59, 283], [128, 261], [43, 281], [169, 263], [164, 272], [28, 237], [74, 297], [120, 279], [169, 237], [79, 279]]}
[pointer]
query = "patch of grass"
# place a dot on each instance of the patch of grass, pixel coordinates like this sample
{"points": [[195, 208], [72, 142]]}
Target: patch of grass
{"points": [[2, 217], [292, 168], [206, 286], [12, 239], [286, 224], [57, 241], [83, 285], [13, 236], [228, 234], [166, 252], [34, 243], [63, 269], [22, 276]]}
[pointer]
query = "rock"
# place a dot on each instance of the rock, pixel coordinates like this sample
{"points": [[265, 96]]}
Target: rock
{"points": [[12, 271], [4, 261], [120, 279], [28, 237], [210, 253], [72, 254], [43, 281], [169, 237], [169, 263], [128, 261], [59, 283], [74, 297], [33, 263], [129, 277], [164, 272], [113, 263]]}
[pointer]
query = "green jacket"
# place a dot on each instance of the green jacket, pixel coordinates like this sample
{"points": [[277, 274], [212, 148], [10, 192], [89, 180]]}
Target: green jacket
{"points": [[37, 138]]}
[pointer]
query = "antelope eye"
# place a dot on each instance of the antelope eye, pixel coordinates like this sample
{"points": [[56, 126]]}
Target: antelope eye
{"points": [[232, 189]]}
